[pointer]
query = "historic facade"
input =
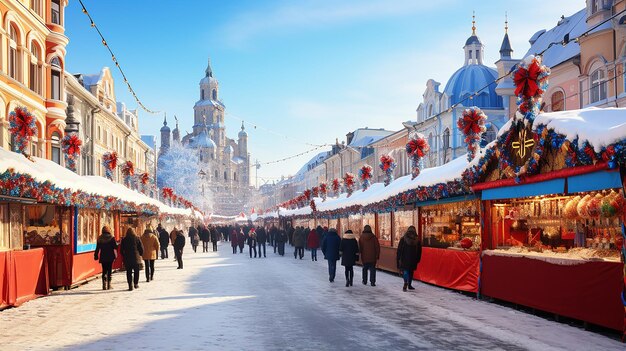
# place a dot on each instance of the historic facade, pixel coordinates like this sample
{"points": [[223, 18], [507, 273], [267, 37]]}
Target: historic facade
{"points": [[224, 162]]}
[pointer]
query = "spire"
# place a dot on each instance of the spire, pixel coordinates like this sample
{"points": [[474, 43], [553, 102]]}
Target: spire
{"points": [[165, 128], [209, 71], [165, 119], [473, 22], [505, 48], [242, 127]]}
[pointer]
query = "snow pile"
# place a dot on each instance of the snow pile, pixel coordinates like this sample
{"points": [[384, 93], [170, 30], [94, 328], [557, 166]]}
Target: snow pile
{"points": [[45, 170]]}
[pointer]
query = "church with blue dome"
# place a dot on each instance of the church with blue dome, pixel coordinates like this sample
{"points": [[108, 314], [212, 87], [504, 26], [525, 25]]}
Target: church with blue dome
{"points": [[473, 84]]}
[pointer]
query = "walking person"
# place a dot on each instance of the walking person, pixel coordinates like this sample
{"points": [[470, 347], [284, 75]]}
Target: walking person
{"points": [[370, 254], [150, 249], [233, 242], [106, 253], [281, 239], [252, 241], [214, 236], [194, 237], [173, 235], [330, 249], [312, 243], [261, 238], [349, 250], [164, 241], [408, 256], [132, 250], [205, 237], [274, 233], [241, 240], [299, 242], [179, 244]]}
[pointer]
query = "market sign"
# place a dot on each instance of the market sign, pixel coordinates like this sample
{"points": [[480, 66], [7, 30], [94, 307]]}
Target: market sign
{"points": [[523, 142]]}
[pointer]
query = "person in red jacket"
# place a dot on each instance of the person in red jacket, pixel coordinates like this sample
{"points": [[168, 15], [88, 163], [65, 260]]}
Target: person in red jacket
{"points": [[233, 241], [313, 242]]}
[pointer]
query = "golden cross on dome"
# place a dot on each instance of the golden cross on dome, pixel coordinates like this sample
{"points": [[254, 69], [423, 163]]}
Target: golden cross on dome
{"points": [[522, 144], [473, 22]]}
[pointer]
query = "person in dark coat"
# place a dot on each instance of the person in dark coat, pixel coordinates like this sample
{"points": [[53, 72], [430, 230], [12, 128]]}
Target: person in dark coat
{"points": [[164, 241], [299, 240], [270, 237], [106, 248], [274, 235], [290, 232], [330, 249], [194, 237], [408, 256], [205, 237], [233, 241], [241, 240], [179, 244], [261, 239], [370, 253], [281, 239], [349, 250], [132, 250], [214, 236], [312, 243], [252, 241]]}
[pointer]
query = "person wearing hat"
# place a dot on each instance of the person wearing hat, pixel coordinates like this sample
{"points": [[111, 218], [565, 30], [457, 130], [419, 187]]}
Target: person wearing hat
{"points": [[150, 251], [349, 250], [106, 249], [132, 251], [330, 249], [408, 256], [370, 253]]}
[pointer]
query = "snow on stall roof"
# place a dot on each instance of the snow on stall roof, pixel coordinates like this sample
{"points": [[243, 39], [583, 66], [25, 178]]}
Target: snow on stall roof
{"points": [[45, 170], [599, 126]]}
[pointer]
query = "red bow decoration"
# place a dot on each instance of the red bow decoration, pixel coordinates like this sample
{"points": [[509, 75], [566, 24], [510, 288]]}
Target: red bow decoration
{"points": [[24, 122], [167, 193], [72, 144], [417, 147], [366, 172], [128, 169], [307, 194], [526, 80], [111, 159], [470, 123], [145, 178]]}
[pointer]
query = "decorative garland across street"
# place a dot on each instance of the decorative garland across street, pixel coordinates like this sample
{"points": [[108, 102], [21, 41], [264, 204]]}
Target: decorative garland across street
{"points": [[22, 127]]}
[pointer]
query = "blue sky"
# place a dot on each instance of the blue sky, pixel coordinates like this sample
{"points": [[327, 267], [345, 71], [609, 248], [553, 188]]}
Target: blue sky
{"points": [[300, 71]]}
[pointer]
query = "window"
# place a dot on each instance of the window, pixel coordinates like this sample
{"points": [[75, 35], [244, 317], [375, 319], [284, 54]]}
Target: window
{"points": [[446, 139], [89, 224], [225, 175], [35, 5], [56, 148], [214, 94], [557, 101], [55, 11], [46, 225], [598, 86], [384, 228], [402, 220], [595, 6], [36, 69], [14, 58], [56, 78], [235, 176], [201, 94]]}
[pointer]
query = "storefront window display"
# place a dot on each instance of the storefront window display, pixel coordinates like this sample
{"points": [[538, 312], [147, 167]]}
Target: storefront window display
{"points": [[355, 224], [90, 223], [585, 226], [384, 228], [402, 220], [46, 225], [451, 225], [369, 219], [333, 223]]}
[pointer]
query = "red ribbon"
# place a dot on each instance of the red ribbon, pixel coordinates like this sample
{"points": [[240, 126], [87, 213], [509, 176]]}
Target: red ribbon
{"points": [[526, 80]]}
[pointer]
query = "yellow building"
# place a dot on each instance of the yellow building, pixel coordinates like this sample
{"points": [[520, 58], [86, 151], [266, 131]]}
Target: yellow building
{"points": [[32, 59]]}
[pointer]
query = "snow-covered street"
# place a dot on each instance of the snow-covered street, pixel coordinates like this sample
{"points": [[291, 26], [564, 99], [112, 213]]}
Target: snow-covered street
{"points": [[221, 301]]}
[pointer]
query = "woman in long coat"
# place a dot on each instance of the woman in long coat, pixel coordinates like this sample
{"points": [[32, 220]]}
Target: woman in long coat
{"points": [[313, 242], [132, 250], [349, 249], [408, 256], [233, 241], [106, 247], [150, 251], [330, 249], [241, 240]]}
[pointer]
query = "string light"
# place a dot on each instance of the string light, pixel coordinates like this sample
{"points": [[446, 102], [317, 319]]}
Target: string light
{"points": [[104, 42]]}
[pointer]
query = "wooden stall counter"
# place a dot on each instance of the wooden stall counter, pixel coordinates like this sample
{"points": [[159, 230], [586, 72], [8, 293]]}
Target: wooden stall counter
{"points": [[27, 282]]}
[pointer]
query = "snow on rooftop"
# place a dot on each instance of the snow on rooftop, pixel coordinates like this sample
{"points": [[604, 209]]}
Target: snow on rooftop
{"points": [[575, 25]]}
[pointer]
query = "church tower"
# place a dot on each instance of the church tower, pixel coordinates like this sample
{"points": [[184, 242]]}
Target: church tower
{"points": [[506, 87], [210, 107], [176, 132], [165, 137], [474, 48], [242, 143]]}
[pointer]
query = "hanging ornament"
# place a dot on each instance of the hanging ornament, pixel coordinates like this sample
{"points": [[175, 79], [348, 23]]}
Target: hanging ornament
{"points": [[472, 125], [336, 185], [323, 191], [307, 194], [531, 81], [167, 194], [71, 145], [22, 127], [416, 148], [387, 165], [348, 182], [109, 161], [144, 179], [128, 170], [313, 207], [365, 174]]}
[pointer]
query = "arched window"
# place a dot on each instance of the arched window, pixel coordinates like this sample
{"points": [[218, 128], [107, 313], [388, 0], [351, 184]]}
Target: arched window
{"points": [[55, 82], [446, 139], [557, 101], [201, 94], [430, 111], [35, 5], [216, 176], [56, 148], [225, 175], [55, 11], [14, 53], [598, 86], [36, 69], [214, 94]]}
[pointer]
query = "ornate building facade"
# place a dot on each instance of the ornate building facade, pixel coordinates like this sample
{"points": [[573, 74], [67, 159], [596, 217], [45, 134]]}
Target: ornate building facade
{"points": [[224, 162]]}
